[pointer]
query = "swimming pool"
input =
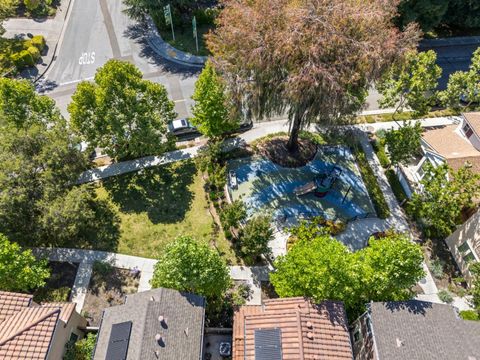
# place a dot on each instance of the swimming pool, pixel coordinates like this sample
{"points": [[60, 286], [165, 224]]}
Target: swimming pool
{"points": [[268, 187]]}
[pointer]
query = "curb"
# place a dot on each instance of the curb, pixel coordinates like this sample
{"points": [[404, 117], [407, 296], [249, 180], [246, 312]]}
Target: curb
{"points": [[454, 41], [168, 52]]}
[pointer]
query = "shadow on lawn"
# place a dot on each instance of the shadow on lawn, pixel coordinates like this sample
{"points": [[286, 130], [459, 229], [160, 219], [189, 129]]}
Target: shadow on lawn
{"points": [[162, 192]]}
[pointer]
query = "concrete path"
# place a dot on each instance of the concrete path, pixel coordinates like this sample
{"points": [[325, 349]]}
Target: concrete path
{"points": [[86, 258]]}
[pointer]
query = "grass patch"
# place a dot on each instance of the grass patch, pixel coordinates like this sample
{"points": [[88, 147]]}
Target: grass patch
{"points": [[159, 204], [370, 119], [370, 180], [379, 148], [185, 41]]}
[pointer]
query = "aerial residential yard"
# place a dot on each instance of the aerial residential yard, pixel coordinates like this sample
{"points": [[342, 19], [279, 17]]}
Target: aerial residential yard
{"points": [[159, 204]]}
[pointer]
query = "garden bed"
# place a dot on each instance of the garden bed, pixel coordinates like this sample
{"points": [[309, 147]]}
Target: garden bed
{"points": [[108, 287], [275, 149], [59, 286]]}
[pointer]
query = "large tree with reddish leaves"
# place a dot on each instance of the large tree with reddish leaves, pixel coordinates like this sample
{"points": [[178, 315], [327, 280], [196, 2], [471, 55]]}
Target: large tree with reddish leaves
{"points": [[313, 59]]}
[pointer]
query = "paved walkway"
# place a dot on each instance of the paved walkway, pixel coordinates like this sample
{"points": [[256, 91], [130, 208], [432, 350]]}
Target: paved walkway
{"points": [[85, 258], [51, 28]]}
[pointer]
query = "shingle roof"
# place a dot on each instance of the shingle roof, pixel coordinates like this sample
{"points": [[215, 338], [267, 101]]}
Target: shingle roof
{"points": [[181, 331], [449, 144], [26, 328], [424, 331], [308, 330]]}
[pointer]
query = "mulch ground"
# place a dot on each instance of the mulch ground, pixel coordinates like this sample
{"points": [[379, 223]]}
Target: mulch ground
{"points": [[276, 150], [107, 290]]}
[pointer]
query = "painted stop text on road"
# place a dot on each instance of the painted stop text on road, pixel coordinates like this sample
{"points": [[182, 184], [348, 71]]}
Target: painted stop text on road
{"points": [[87, 58]]}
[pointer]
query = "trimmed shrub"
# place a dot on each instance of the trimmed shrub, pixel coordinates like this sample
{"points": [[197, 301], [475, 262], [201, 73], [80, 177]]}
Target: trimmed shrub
{"points": [[34, 52], [396, 186], [52, 295], [469, 315], [39, 42], [22, 59], [445, 296]]}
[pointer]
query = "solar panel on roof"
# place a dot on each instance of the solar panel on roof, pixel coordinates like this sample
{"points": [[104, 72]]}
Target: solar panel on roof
{"points": [[118, 342], [268, 344]]}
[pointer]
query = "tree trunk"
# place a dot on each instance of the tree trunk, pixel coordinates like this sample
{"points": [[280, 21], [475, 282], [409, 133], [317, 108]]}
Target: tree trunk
{"points": [[292, 144]]}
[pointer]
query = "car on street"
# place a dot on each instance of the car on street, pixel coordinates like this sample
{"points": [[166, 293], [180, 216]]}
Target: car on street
{"points": [[182, 127]]}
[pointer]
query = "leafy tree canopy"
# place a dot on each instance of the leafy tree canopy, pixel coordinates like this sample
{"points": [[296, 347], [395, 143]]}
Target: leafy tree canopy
{"points": [[19, 269], [308, 58], [191, 266], [39, 165], [256, 236], [411, 83], [444, 194], [427, 13], [404, 142], [323, 268], [210, 112], [463, 85], [122, 113]]}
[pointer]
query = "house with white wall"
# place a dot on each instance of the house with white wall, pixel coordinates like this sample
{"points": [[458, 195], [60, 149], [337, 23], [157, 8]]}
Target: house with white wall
{"points": [[457, 144]]}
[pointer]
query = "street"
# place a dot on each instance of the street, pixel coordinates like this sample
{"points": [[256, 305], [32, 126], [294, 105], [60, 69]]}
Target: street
{"points": [[98, 30]]}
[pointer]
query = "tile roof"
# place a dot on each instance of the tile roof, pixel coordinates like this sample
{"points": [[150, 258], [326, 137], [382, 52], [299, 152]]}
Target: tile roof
{"points": [[473, 119], [449, 144], [308, 330], [11, 303], [181, 332], [26, 328], [420, 330]]}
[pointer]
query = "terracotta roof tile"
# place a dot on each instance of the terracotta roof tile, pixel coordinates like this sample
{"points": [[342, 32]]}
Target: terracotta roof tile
{"points": [[26, 328], [11, 303], [308, 330]]}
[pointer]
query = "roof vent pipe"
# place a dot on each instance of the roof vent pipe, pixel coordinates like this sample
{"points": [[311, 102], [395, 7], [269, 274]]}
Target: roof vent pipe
{"points": [[310, 335]]}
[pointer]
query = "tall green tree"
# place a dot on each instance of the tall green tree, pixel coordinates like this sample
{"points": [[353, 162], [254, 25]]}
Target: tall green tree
{"points": [[463, 85], [444, 194], [39, 166], [411, 83], [192, 266], [475, 288], [308, 58], [323, 268], [7, 9], [19, 269], [427, 13], [403, 143], [255, 238], [122, 113], [463, 14], [210, 113]]}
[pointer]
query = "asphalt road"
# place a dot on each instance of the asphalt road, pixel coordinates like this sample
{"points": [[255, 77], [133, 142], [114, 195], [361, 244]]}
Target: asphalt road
{"points": [[98, 30]]}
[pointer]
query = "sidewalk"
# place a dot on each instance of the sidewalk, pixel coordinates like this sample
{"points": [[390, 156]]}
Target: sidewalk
{"points": [[51, 28]]}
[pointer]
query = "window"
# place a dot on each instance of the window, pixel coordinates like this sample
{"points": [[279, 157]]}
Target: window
{"points": [[467, 130], [466, 251]]}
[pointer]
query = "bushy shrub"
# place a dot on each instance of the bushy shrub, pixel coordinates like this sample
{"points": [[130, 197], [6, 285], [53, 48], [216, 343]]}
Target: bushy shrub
{"points": [[103, 268], [38, 41], [22, 59], [445, 296], [233, 214], [32, 4], [469, 315], [396, 186], [45, 295], [255, 238], [206, 16], [34, 52], [436, 267], [81, 350]]}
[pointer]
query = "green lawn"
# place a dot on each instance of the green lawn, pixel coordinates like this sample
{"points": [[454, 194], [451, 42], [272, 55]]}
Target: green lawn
{"points": [[185, 41], [157, 205]]}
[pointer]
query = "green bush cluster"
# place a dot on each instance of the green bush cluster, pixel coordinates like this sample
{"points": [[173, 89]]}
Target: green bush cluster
{"points": [[445, 296], [82, 349], [469, 315], [436, 267], [370, 180], [206, 16], [29, 54], [46, 294], [379, 148]]}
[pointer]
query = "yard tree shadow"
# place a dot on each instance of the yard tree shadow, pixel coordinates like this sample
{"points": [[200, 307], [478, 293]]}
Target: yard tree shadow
{"points": [[161, 192]]}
